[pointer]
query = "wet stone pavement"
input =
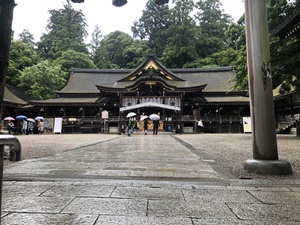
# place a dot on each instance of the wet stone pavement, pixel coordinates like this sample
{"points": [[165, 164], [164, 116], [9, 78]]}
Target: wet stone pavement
{"points": [[140, 180]]}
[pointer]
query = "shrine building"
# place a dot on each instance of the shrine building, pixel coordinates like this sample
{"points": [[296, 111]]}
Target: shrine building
{"points": [[98, 100]]}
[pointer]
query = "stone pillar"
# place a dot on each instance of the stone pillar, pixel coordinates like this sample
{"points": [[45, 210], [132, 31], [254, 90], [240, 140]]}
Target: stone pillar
{"points": [[261, 96]]}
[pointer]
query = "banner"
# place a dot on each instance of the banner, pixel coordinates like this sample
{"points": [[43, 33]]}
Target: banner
{"points": [[57, 125]]}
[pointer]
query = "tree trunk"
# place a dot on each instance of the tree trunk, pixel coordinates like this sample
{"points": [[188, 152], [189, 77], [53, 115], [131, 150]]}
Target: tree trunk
{"points": [[6, 17]]}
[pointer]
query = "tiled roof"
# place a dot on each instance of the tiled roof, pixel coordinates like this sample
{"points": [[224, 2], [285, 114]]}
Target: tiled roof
{"points": [[64, 100], [85, 81], [11, 97]]}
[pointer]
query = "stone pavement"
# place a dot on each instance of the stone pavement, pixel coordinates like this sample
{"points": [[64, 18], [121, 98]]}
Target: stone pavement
{"points": [[140, 180]]}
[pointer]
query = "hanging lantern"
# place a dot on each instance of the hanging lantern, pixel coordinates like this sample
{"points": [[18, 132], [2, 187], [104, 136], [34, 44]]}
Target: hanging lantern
{"points": [[119, 3], [77, 1], [161, 2]]}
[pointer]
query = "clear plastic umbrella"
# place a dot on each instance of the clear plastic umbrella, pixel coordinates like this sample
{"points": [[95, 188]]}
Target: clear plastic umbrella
{"points": [[30, 120], [143, 117], [39, 118], [154, 117], [131, 114]]}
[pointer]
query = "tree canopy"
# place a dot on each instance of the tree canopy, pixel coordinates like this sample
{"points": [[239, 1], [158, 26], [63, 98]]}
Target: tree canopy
{"points": [[191, 34]]}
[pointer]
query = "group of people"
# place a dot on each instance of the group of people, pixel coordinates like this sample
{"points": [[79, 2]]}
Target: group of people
{"points": [[28, 126], [130, 125]]}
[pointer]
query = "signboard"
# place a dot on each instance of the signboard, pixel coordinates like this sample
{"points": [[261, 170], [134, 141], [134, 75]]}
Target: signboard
{"points": [[247, 124], [104, 114], [57, 125]]}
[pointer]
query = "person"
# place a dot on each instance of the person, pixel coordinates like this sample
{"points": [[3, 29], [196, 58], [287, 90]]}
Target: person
{"points": [[24, 127], [155, 127], [30, 127], [129, 124], [200, 126], [146, 123], [10, 126], [40, 126]]}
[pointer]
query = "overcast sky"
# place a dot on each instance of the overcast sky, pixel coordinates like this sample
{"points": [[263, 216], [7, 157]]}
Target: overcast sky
{"points": [[33, 15]]}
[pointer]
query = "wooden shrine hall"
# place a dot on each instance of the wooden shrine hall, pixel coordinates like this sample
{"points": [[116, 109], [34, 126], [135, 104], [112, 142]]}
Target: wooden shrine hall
{"points": [[98, 100]]}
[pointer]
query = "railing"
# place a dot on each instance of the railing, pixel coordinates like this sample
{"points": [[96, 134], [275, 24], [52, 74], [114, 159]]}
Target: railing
{"points": [[167, 100], [189, 118], [289, 118]]}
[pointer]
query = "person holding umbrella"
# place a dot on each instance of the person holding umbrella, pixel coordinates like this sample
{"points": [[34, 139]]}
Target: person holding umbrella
{"points": [[129, 125], [129, 122], [146, 123], [24, 127], [40, 126], [155, 126], [155, 118], [10, 126], [30, 125]]}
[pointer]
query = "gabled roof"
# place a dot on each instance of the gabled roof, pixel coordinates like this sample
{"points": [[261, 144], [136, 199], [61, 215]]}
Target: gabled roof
{"points": [[151, 67], [212, 79]]}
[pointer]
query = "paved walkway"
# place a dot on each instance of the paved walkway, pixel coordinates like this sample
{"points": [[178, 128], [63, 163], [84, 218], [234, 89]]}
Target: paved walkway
{"points": [[140, 180]]}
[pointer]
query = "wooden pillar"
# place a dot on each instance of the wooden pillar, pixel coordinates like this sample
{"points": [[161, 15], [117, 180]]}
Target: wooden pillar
{"points": [[261, 96]]}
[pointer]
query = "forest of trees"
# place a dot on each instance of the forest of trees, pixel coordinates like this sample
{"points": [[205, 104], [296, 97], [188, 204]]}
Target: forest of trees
{"points": [[189, 35]]}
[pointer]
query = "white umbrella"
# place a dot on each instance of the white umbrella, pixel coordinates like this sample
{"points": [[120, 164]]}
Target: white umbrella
{"points": [[154, 117], [30, 120], [143, 117], [131, 114]]}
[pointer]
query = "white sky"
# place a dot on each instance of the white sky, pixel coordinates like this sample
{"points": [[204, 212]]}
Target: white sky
{"points": [[33, 15]]}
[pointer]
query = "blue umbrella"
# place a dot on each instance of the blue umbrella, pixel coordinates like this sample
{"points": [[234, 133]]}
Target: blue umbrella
{"points": [[21, 117]]}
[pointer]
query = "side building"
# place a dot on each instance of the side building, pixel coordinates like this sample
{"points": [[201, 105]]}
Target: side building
{"points": [[287, 105]]}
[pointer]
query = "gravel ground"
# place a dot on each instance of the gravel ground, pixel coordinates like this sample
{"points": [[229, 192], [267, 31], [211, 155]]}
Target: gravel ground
{"points": [[231, 151], [228, 150]]}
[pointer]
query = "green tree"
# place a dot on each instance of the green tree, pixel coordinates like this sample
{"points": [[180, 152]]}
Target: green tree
{"points": [[213, 23], [26, 37], [235, 34], [71, 59], [111, 54], [22, 55], [152, 27], [66, 31], [241, 70], [134, 54], [95, 42], [236, 37], [182, 36], [42, 80]]}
